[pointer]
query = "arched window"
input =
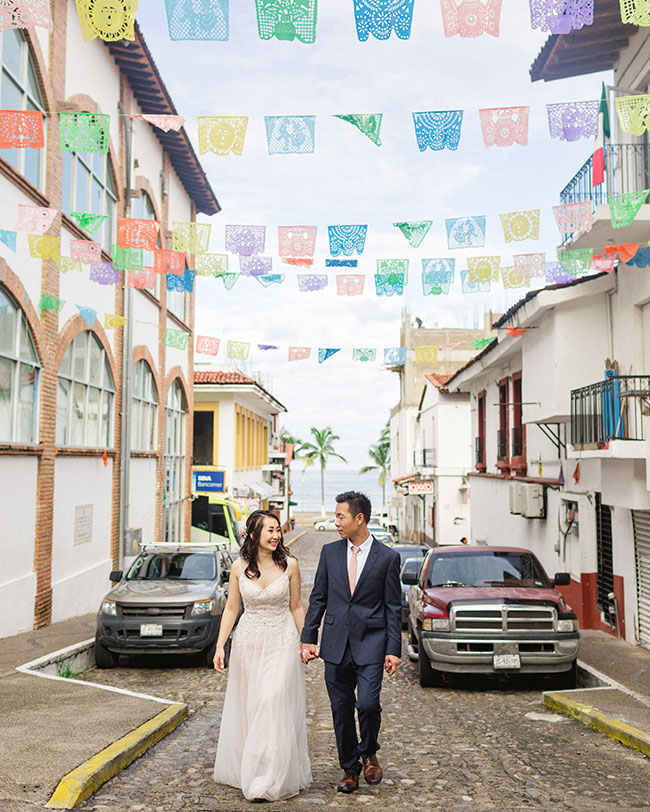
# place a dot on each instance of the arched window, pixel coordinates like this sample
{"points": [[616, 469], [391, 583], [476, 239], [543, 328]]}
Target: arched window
{"points": [[144, 408], [19, 90], [85, 395], [142, 209], [174, 463], [19, 376], [89, 186]]}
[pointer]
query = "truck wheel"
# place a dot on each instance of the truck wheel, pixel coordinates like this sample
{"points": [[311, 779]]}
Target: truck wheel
{"points": [[413, 640], [569, 679], [103, 657], [428, 676]]}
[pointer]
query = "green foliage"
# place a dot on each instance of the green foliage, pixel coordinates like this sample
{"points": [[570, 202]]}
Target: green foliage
{"points": [[320, 451], [379, 453]]}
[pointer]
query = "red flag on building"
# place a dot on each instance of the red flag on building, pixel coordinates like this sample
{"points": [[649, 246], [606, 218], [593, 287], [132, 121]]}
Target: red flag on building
{"points": [[598, 160]]}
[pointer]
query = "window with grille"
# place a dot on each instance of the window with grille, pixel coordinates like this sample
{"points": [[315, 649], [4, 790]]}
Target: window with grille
{"points": [[174, 463], [605, 575], [144, 408], [88, 186], [19, 376], [85, 395]]}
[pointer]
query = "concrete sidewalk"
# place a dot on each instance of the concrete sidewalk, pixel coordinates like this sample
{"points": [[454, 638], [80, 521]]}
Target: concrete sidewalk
{"points": [[616, 696]]}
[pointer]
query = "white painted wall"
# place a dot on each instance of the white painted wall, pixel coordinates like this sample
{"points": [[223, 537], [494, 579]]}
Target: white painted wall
{"points": [[80, 571], [18, 511], [142, 507]]}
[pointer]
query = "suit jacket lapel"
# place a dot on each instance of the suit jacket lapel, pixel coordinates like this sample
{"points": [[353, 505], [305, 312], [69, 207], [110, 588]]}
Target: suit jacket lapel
{"points": [[370, 563], [342, 555]]}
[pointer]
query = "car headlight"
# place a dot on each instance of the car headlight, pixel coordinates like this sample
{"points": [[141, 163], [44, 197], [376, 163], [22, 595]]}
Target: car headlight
{"points": [[109, 608], [436, 624], [203, 607], [570, 625]]}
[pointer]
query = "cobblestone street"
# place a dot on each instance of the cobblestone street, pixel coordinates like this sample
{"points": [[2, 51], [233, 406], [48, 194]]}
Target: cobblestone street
{"points": [[475, 745]]}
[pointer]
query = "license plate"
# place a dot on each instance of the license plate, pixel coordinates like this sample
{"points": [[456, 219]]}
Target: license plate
{"points": [[152, 630], [506, 661]]}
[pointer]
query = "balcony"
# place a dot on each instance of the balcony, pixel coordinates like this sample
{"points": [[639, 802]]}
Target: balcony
{"points": [[627, 169], [614, 409], [424, 458]]}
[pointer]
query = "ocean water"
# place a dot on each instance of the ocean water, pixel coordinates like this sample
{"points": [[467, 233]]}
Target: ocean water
{"points": [[305, 484]]}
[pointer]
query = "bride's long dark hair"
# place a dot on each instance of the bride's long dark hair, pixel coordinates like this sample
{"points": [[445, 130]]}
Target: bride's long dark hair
{"points": [[250, 546]]}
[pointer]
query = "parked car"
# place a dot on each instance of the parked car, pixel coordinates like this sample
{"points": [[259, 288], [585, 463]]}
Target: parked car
{"points": [[411, 565], [218, 520], [324, 524], [381, 535], [489, 610], [170, 601], [409, 553]]}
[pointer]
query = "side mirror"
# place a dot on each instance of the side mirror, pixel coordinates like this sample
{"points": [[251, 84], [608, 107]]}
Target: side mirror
{"points": [[409, 578], [561, 579], [116, 576]]}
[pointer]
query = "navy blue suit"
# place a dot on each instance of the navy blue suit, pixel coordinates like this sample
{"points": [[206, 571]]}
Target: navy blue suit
{"points": [[358, 632]]}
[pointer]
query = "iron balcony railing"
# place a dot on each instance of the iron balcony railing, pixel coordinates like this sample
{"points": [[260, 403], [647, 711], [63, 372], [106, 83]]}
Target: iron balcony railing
{"points": [[424, 458], [517, 441], [614, 409], [502, 444], [627, 169]]}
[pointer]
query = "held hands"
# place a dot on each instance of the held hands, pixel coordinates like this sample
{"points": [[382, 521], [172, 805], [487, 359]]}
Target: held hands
{"points": [[308, 651], [219, 660], [390, 664]]}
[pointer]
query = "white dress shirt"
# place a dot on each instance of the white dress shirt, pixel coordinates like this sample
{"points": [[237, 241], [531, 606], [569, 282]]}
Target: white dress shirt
{"points": [[362, 555]]}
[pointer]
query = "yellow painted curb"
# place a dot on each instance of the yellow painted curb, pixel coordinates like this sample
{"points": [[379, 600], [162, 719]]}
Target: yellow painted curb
{"points": [[626, 734], [79, 784], [294, 540]]}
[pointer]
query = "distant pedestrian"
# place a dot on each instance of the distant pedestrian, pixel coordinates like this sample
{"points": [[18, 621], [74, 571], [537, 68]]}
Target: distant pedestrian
{"points": [[463, 540]]}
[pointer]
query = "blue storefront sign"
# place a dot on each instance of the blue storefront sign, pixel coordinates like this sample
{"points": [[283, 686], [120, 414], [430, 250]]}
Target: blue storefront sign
{"points": [[209, 481]]}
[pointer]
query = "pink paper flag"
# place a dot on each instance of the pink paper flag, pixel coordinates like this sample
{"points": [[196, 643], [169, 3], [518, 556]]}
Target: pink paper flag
{"points": [[137, 233], [530, 264], [35, 219], [470, 18], [297, 241], [350, 284], [144, 279], [603, 263], [167, 261], [207, 345], [453, 345], [163, 122], [504, 126], [299, 353], [85, 251], [303, 261]]}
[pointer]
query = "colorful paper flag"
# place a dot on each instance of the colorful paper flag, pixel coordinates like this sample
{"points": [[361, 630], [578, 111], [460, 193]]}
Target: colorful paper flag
{"points": [[165, 260], [381, 17], [624, 208], [465, 232], [44, 246], [520, 225], [368, 123], [206, 345], [9, 239], [21, 129], [504, 126], [635, 12], [395, 356], [112, 321], [35, 219], [341, 263], [473, 287], [347, 239], [104, 273], [574, 217], [470, 18], [531, 265], [365, 354], [25, 14], [66, 264], [299, 353], [192, 238], [483, 269], [85, 251], [177, 339], [134, 233], [569, 121], [297, 241], [189, 20], [48, 302], [163, 121], [111, 21], [482, 343], [89, 222], [561, 16], [88, 315], [438, 129], [350, 284], [625, 252], [211, 264], [290, 134], [238, 350], [426, 354], [245, 240], [84, 132], [144, 279], [414, 231], [293, 19], [326, 352], [603, 132], [184, 283], [311, 281], [222, 134]]}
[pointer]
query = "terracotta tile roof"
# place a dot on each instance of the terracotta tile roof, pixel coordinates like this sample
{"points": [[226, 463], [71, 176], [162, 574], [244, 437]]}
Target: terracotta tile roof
{"points": [[438, 380], [222, 377]]}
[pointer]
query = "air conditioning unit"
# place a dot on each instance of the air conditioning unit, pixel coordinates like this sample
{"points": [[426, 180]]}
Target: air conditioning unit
{"points": [[517, 497], [534, 502]]}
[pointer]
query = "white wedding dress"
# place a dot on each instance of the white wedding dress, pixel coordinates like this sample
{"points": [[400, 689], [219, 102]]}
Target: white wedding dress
{"points": [[262, 746]]}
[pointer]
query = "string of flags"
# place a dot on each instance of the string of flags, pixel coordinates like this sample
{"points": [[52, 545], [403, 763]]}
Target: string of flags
{"points": [[296, 20], [296, 134], [137, 259]]}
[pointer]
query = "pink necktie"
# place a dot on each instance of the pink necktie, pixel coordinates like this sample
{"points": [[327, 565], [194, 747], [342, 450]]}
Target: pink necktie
{"points": [[352, 571]]}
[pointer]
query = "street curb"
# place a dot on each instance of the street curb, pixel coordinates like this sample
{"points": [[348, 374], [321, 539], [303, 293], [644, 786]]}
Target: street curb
{"points": [[294, 540], [80, 784], [620, 731]]}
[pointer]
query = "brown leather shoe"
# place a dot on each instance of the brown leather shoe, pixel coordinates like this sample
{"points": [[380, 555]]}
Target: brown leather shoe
{"points": [[348, 783], [372, 772]]}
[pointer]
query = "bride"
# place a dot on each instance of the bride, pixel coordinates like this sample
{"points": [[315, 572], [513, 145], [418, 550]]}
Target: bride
{"points": [[262, 746]]}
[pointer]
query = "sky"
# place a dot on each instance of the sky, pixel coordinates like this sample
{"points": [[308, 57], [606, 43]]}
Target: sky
{"points": [[348, 179]]}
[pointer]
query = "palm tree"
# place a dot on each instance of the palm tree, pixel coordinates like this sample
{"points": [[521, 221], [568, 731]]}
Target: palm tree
{"points": [[321, 449], [380, 456]]}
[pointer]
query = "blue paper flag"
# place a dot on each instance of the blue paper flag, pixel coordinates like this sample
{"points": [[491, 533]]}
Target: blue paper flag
{"points": [[202, 20], [270, 278], [473, 287], [437, 276], [641, 259], [325, 353], [347, 239], [8, 238], [88, 315], [465, 232], [181, 282], [341, 263], [437, 130], [290, 134], [395, 355], [381, 17]]}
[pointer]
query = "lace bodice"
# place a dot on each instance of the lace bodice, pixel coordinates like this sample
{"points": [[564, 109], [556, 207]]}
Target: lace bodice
{"points": [[267, 609]]}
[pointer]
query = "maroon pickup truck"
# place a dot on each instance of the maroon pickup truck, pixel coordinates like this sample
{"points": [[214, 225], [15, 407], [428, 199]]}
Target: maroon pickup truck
{"points": [[489, 610]]}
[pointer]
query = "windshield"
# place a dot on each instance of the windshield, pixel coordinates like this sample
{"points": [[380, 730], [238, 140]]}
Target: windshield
{"points": [[412, 565], [487, 569], [414, 553], [174, 566]]}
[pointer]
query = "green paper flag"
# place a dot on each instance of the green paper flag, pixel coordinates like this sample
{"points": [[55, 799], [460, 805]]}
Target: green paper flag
{"points": [[364, 354], [414, 232], [368, 123], [48, 302], [481, 343], [89, 222], [176, 339], [624, 208]]}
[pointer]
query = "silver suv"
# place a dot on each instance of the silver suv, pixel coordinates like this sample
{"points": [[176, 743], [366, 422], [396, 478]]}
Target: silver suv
{"points": [[170, 601]]}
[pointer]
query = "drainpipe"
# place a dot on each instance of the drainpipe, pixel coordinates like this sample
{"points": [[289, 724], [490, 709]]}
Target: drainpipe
{"points": [[610, 314], [127, 351]]}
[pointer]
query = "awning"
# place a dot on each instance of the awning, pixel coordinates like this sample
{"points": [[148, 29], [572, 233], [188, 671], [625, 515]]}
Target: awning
{"points": [[262, 489]]}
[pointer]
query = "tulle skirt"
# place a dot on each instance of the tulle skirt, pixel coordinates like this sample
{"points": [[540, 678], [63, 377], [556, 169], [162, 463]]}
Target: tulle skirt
{"points": [[262, 747]]}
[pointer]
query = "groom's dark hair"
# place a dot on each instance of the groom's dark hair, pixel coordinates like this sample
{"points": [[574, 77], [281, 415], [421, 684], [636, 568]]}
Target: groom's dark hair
{"points": [[358, 503]]}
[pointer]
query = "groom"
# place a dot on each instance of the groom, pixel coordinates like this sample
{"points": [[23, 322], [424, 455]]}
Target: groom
{"points": [[357, 587]]}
